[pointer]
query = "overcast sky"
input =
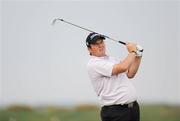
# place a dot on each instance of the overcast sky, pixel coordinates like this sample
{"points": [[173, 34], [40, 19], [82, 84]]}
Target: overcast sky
{"points": [[45, 64]]}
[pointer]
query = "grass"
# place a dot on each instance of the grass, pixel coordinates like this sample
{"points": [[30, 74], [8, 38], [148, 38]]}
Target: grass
{"points": [[160, 113], [83, 113]]}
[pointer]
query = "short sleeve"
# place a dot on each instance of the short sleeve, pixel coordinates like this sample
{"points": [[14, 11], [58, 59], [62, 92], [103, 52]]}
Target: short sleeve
{"points": [[103, 68]]}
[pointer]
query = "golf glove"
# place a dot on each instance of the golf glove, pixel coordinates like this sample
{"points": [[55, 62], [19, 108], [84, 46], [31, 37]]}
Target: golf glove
{"points": [[139, 51]]}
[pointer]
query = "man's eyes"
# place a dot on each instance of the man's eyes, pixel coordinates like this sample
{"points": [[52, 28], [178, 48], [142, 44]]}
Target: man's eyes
{"points": [[98, 43]]}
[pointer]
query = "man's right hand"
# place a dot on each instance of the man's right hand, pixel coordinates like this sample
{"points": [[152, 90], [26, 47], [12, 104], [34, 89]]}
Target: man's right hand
{"points": [[131, 47]]}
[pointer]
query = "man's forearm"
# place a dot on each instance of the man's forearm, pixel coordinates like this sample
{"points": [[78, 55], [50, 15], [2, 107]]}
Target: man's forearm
{"points": [[124, 65], [133, 68]]}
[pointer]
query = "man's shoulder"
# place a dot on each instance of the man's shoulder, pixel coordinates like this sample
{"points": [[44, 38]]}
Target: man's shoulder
{"points": [[92, 61], [95, 61]]}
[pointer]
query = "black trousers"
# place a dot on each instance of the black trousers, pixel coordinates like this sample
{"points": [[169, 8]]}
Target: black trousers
{"points": [[121, 112]]}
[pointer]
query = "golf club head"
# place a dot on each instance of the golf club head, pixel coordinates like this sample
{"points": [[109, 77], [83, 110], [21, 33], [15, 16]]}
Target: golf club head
{"points": [[54, 21]]}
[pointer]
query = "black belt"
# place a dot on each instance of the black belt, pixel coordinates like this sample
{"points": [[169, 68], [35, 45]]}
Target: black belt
{"points": [[129, 105]]}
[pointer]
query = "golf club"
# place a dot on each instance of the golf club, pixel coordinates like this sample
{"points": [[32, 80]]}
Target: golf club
{"points": [[60, 19]]}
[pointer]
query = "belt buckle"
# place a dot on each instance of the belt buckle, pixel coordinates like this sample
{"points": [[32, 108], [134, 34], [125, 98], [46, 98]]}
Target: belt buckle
{"points": [[130, 105]]}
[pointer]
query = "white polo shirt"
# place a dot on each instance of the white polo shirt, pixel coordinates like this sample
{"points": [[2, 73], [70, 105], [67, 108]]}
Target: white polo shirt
{"points": [[116, 89]]}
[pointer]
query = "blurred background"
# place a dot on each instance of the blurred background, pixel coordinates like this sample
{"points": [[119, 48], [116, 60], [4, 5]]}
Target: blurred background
{"points": [[43, 74]]}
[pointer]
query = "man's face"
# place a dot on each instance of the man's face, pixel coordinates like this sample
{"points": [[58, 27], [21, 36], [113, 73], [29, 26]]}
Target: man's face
{"points": [[98, 48]]}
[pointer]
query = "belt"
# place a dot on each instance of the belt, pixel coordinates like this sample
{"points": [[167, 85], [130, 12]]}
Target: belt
{"points": [[129, 105]]}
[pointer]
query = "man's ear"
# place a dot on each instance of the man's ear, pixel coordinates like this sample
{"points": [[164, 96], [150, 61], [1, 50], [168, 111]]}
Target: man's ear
{"points": [[89, 49]]}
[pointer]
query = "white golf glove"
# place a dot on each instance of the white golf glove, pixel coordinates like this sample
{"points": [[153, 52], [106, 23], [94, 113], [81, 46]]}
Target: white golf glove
{"points": [[139, 51]]}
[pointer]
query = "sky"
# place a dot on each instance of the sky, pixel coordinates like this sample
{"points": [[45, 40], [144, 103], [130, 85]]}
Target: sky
{"points": [[45, 64]]}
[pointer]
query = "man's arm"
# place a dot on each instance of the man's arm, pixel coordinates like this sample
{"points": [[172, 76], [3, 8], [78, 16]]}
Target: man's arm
{"points": [[133, 68], [125, 64]]}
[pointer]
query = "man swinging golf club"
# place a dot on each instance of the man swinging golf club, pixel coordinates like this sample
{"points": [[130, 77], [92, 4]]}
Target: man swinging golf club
{"points": [[110, 79]]}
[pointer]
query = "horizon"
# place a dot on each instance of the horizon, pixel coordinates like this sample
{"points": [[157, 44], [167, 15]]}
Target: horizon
{"points": [[43, 64]]}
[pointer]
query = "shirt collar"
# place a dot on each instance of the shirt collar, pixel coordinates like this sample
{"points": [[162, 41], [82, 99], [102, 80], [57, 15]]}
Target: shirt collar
{"points": [[102, 57]]}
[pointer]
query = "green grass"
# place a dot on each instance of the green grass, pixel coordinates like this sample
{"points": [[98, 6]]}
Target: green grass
{"points": [[86, 115], [160, 113], [148, 113]]}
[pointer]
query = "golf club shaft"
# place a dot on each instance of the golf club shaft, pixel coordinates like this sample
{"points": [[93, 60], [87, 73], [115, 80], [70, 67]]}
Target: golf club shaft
{"points": [[85, 29]]}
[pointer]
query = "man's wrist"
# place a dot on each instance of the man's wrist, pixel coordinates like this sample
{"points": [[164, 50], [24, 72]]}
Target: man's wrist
{"points": [[133, 52], [137, 53]]}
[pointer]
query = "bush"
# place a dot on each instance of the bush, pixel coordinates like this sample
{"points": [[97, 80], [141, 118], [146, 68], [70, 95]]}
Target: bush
{"points": [[19, 108], [83, 107]]}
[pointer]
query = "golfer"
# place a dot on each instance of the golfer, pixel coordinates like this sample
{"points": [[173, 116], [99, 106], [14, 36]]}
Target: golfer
{"points": [[111, 79]]}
